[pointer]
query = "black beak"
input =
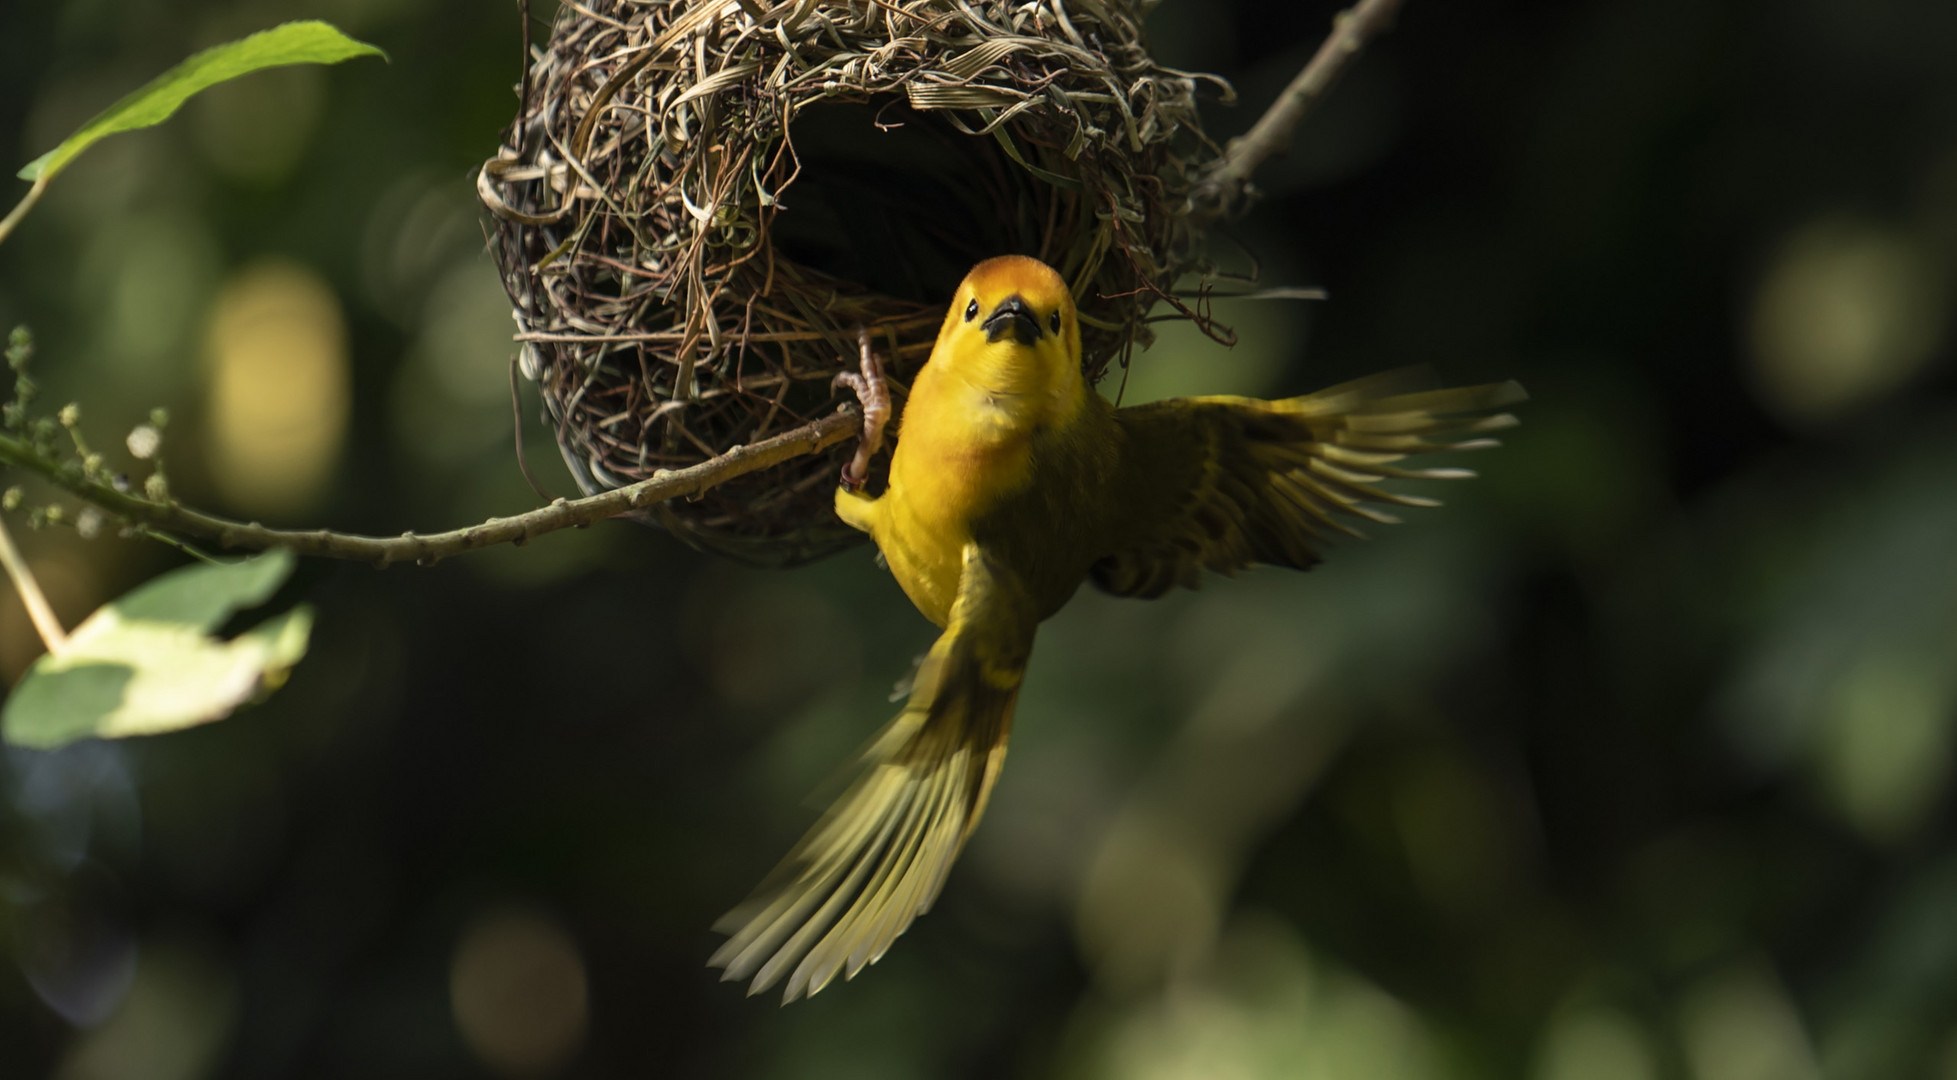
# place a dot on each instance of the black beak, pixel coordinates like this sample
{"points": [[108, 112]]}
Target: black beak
{"points": [[1013, 316]]}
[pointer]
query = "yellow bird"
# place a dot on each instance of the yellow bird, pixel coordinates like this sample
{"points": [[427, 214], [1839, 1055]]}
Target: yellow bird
{"points": [[1012, 482]]}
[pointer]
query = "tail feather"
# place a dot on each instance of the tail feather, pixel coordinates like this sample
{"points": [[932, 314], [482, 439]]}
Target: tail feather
{"points": [[878, 857]]}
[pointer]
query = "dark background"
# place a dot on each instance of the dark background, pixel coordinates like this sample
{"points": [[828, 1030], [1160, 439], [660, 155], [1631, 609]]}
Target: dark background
{"points": [[1631, 763]]}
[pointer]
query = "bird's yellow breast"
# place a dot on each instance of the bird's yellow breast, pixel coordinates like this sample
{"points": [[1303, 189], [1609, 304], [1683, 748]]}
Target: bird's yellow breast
{"points": [[959, 450]]}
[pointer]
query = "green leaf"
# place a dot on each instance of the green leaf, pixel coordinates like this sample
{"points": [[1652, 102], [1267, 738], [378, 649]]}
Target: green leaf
{"points": [[293, 43], [146, 663]]}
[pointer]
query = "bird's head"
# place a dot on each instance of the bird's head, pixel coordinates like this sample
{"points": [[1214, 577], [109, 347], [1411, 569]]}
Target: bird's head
{"points": [[1011, 331]]}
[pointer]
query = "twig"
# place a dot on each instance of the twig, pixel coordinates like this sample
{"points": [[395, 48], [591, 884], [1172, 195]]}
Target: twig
{"points": [[1225, 190], [523, 93], [36, 602], [167, 540], [25, 204], [519, 529]]}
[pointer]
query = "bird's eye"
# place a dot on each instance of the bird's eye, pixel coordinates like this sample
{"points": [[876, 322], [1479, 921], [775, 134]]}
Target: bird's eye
{"points": [[1053, 320], [971, 311]]}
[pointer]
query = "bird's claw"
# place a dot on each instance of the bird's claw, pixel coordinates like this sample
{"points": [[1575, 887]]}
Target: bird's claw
{"points": [[874, 396]]}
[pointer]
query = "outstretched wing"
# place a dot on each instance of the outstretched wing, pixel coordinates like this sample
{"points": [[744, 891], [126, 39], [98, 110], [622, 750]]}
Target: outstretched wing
{"points": [[1219, 483], [879, 855]]}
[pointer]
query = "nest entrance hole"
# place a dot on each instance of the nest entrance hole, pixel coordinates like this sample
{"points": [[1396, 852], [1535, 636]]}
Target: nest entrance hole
{"points": [[901, 201]]}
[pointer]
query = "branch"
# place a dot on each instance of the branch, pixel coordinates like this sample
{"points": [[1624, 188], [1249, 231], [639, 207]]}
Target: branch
{"points": [[426, 550], [25, 204], [31, 596], [1225, 190]]}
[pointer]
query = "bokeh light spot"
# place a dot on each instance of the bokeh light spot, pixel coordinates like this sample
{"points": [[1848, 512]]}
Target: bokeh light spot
{"points": [[76, 955], [1739, 1025], [279, 393], [1848, 312], [1266, 1009], [1595, 1044], [1885, 751], [173, 1025], [1150, 903], [517, 990]]}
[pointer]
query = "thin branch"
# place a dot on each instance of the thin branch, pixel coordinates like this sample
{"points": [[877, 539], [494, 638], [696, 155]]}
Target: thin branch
{"points": [[174, 518], [1225, 191], [31, 596], [25, 204]]}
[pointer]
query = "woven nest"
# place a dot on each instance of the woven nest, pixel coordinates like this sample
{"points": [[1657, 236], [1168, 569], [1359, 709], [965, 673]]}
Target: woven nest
{"points": [[703, 200]]}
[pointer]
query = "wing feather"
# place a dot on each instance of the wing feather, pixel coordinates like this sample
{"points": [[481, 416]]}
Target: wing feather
{"points": [[1221, 483], [878, 857]]}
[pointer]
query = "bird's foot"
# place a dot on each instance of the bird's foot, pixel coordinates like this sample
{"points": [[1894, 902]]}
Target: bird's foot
{"points": [[874, 396]]}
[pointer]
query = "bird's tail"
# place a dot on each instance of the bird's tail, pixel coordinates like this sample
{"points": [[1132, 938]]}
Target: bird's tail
{"points": [[877, 858]]}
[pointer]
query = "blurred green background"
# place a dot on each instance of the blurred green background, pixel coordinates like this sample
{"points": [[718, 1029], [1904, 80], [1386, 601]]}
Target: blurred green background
{"points": [[1632, 763]]}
